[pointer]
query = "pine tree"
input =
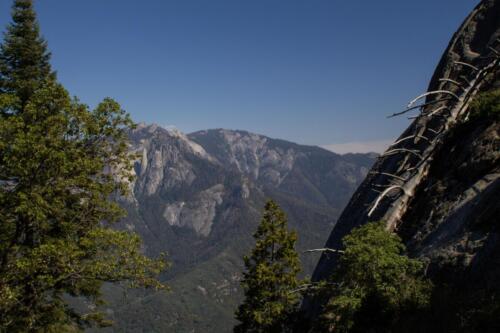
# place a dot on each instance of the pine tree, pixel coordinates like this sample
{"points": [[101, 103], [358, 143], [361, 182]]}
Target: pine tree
{"points": [[60, 164], [375, 284], [24, 59], [270, 276]]}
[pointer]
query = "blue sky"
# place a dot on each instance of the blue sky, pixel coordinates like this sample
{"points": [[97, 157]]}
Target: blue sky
{"points": [[311, 71]]}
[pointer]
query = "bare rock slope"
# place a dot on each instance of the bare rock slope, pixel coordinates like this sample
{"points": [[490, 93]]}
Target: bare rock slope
{"points": [[438, 185]]}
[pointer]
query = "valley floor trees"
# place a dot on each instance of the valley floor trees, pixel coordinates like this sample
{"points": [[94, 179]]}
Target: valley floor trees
{"points": [[59, 165]]}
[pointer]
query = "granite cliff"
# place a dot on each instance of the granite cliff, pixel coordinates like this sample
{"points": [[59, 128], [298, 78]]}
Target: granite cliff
{"points": [[438, 185]]}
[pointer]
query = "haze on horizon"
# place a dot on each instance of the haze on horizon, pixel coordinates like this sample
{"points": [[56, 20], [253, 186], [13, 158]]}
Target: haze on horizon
{"points": [[320, 72]]}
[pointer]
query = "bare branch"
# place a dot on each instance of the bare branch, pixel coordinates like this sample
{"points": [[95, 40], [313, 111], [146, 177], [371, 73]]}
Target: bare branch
{"points": [[408, 138], [466, 65], [401, 150], [435, 111], [434, 131], [494, 51], [390, 175], [324, 250], [458, 84], [436, 92], [381, 186], [419, 106], [382, 195]]}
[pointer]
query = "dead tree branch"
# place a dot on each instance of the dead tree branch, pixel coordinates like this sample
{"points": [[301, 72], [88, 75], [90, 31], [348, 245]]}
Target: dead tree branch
{"points": [[466, 65], [408, 138], [324, 250], [382, 196], [389, 174], [381, 186], [429, 93], [401, 150], [494, 51], [458, 84], [436, 111], [434, 131], [419, 106]]}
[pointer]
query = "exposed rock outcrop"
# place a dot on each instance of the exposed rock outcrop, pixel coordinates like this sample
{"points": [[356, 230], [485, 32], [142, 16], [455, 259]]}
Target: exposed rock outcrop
{"points": [[438, 184]]}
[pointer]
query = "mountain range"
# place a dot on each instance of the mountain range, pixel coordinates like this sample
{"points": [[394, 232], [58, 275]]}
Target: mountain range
{"points": [[199, 197]]}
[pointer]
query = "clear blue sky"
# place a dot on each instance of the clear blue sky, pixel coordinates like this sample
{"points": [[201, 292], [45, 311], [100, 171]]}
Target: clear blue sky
{"points": [[310, 71]]}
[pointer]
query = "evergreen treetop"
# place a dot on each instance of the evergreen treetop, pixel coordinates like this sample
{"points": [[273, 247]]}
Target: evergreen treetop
{"points": [[24, 58], [60, 165]]}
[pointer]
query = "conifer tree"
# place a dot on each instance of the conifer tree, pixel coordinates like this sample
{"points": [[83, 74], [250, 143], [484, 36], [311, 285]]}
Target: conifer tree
{"points": [[24, 58], [270, 276], [60, 163], [375, 285]]}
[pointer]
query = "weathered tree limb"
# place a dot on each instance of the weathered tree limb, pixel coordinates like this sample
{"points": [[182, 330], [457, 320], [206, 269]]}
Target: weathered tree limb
{"points": [[409, 137], [494, 51], [466, 65], [435, 92], [434, 131], [381, 186], [389, 174], [382, 196], [401, 150], [458, 84], [419, 106], [436, 111], [324, 250]]}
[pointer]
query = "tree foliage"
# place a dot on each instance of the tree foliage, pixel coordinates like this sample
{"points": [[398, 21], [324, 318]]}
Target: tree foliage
{"points": [[24, 58], [270, 276], [375, 283], [486, 105], [60, 165]]}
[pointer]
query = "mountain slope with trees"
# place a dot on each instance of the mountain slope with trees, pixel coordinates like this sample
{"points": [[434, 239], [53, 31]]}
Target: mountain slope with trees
{"points": [[199, 197]]}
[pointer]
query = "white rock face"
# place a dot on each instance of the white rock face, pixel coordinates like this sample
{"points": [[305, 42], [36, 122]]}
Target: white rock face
{"points": [[163, 161], [184, 174], [251, 154], [197, 214], [191, 145]]}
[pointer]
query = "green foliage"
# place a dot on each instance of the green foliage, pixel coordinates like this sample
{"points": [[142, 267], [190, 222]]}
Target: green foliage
{"points": [[375, 283], [486, 105], [270, 277], [60, 165], [24, 59]]}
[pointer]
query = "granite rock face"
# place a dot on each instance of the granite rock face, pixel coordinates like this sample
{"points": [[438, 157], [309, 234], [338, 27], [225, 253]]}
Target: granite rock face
{"points": [[192, 175], [197, 214], [440, 181]]}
